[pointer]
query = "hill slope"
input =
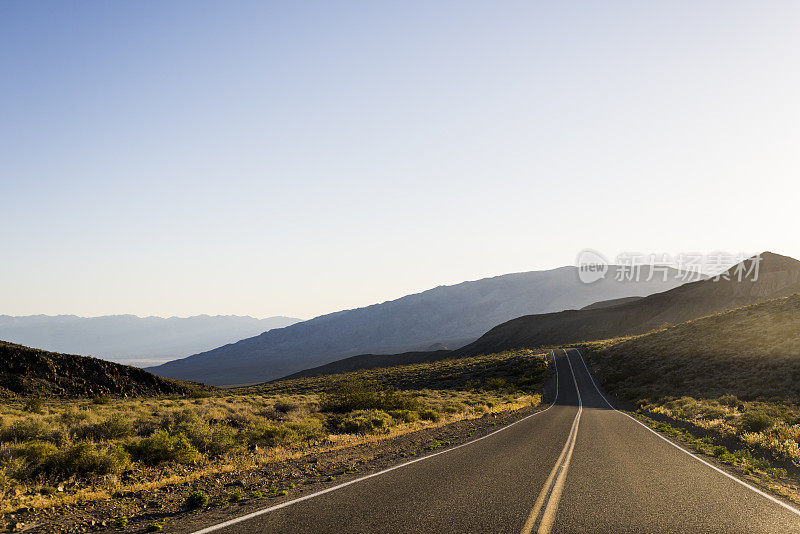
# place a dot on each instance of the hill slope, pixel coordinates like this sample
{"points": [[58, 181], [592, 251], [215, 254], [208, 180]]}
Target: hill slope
{"points": [[451, 315], [32, 372], [752, 352], [779, 276], [130, 339]]}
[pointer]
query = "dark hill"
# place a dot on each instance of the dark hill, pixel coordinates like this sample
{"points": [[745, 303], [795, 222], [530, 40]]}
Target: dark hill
{"points": [[610, 303], [752, 352], [32, 372], [450, 315], [779, 276]]}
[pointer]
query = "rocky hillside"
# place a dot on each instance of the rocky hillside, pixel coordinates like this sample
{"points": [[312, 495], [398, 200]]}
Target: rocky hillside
{"points": [[32, 372]]}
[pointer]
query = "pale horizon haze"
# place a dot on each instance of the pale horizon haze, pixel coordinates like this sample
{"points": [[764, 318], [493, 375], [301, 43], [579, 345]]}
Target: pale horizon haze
{"points": [[283, 158]]}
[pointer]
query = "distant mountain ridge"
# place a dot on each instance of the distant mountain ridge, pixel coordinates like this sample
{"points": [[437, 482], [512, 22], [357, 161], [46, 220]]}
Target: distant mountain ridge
{"points": [[131, 339], [779, 277], [31, 372], [451, 316]]}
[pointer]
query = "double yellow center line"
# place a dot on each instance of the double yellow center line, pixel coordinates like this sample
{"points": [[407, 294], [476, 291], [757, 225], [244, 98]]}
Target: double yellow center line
{"points": [[544, 511]]}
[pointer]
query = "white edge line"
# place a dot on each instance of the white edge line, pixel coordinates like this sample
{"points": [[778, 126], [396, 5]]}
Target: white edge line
{"points": [[715, 468], [344, 484]]}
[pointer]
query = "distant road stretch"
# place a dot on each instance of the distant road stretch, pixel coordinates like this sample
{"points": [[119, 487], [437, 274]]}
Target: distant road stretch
{"points": [[578, 466]]}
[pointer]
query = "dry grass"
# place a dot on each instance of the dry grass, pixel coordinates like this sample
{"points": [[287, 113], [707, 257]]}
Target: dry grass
{"points": [[138, 444]]}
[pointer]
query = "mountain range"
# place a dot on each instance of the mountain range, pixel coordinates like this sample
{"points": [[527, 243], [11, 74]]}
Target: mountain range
{"points": [[133, 340], [778, 276], [446, 316]]}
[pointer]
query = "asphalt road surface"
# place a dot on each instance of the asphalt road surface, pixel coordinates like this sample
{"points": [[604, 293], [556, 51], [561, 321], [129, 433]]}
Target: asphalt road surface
{"points": [[578, 466]]}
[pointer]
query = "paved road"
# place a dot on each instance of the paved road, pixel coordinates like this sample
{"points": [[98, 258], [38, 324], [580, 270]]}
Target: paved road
{"points": [[578, 466]]}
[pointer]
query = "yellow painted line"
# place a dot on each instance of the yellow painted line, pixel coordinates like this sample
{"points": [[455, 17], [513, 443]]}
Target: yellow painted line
{"points": [[550, 495], [263, 511]]}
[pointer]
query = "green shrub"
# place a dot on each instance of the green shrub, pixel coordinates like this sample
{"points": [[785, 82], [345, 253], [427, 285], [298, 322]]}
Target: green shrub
{"points": [[498, 384], [284, 407], [28, 430], [154, 527], [85, 459], [729, 400], [270, 435], [121, 521], [80, 459], [115, 427], [429, 415], [366, 422], [198, 499], [235, 496], [30, 458], [256, 494], [404, 416], [34, 405], [755, 421], [360, 395], [163, 447], [307, 431], [719, 450]]}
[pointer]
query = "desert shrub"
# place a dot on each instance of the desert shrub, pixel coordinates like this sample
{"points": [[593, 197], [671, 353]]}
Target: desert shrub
{"points": [[429, 414], [729, 400], [270, 435], [307, 431], [31, 429], [404, 416], [212, 439], [719, 450], [27, 459], [284, 407], [755, 421], [713, 412], [366, 422], [223, 439], [34, 406], [80, 459], [360, 395], [73, 416], [498, 384], [235, 496], [161, 446], [101, 400], [198, 499], [115, 427], [85, 458], [453, 407]]}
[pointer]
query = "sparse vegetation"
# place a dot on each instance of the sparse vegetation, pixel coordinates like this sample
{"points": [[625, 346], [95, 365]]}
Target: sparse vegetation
{"points": [[83, 445], [196, 500]]}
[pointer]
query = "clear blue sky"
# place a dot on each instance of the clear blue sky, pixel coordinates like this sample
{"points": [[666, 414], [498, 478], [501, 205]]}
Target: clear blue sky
{"points": [[296, 158]]}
